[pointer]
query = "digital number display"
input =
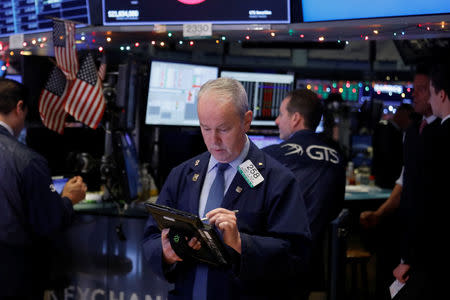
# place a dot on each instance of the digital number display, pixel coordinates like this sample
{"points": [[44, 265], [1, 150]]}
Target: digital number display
{"points": [[27, 16], [139, 12]]}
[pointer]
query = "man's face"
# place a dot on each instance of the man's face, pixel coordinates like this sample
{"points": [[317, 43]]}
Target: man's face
{"points": [[222, 129], [435, 101], [284, 120], [421, 94]]}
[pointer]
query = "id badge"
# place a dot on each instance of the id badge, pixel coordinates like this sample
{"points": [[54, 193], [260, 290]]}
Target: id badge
{"points": [[250, 173]]}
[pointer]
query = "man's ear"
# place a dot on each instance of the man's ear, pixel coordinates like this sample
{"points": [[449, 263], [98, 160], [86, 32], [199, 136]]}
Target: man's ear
{"points": [[248, 117], [442, 95], [296, 119], [20, 106]]}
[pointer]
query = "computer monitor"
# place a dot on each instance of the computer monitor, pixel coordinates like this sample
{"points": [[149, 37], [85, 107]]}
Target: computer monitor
{"points": [[327, 10], [320, 127], [265, 93], [262, 141], [2, 68], [14, 77], [360, 150], [127, 167], [173, 90], [35, 16], [119, 12]]}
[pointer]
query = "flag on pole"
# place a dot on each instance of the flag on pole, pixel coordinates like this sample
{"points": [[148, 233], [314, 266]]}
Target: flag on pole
{"points": [[51, 101], [102, 68], [65, 50], [85, 101]]}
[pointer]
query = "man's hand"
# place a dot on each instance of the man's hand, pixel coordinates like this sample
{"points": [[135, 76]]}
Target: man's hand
{"points": [[401, 272], [225, 220], [169, 255], [75, 189], [369, 219]]}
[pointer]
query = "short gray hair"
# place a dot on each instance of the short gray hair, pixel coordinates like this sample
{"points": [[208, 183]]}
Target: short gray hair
{"points": [[231, 90]]}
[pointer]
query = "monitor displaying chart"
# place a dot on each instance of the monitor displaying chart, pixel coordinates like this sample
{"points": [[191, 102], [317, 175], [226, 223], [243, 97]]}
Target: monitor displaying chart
{"points": [[173, 90], [35, 16], [265, 93]]}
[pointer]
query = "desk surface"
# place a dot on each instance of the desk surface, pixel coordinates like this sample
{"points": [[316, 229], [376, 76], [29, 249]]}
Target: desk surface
{"points": [[365, 192], [137, 209]]}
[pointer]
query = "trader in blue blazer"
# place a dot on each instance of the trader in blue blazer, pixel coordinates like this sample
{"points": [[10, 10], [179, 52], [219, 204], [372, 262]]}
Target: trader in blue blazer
{"points": [[318, 168], [32, 213], [268, 239]]}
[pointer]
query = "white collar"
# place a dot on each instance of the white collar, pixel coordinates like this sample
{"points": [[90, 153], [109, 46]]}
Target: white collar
{"points": [[7, 127], [430, 119], [445, 118]]}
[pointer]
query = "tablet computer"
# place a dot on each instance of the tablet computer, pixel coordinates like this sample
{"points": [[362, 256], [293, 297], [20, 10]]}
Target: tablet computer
{"points": [[183, 226], [59, 182]]}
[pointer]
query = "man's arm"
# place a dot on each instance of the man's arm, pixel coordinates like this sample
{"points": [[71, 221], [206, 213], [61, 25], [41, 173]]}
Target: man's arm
{"points": [[48, 212], [280, 248], [369, 219]]}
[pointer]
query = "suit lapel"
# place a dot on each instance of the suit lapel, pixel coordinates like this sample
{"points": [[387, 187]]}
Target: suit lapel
{"points": [[195, 178], [239, 186]]}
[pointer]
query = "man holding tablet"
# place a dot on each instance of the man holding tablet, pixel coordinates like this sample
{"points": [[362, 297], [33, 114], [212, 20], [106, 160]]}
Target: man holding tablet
{"points": [[268, 240]]}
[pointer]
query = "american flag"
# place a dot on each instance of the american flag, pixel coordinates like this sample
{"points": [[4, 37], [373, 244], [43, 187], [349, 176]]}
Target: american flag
{"points": [[65, 50], [85, 101], [102, 68], [51, 101]]}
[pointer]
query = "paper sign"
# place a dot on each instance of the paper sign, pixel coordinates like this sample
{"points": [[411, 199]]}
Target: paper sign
{"points": [[16, 41], [197, 30]]}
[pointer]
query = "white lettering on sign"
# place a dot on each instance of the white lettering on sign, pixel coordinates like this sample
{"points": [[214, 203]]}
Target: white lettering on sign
{"points": [[96, 294], [261, 14], [132, 14]]}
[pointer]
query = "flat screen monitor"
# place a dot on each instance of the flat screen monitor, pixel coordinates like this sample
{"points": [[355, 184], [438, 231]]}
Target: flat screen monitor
{"points": [[389, 94], [34, 16], [14, 77], [329, 10], [319, 127], [173, 90], [265, 93], [2, 68], [264, 140], [131, 12], [360, 149]]}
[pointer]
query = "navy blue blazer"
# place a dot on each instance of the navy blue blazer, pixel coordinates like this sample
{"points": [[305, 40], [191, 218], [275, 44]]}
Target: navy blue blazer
{"points": [[320, 172], [421, 162], [31, 213], [272, 223]]}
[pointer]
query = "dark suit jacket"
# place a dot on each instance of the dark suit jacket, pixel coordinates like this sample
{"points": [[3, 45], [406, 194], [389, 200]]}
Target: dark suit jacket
{"points": [[31, 212], [426, 247], [420, 161], [387, 162], [271, 220], [320, 173]]}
